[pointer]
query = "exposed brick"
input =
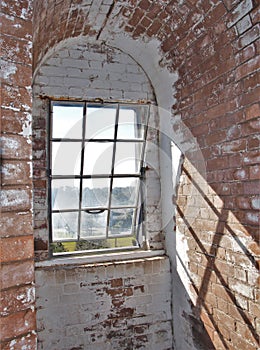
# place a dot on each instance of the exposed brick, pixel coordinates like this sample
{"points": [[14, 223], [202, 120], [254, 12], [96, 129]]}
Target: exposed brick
{"points": [[16, 97], [253, 111], [16, 274], [254, 172], [19, 323], [144, 4], [212, 49], [22, 10], [247, 68], [255, 15], [15, 172], [16, 147], [20, 298], [16, 223], [13, 122], [137, 15], [18, 74], [16, 199], [16, 248], [29, 341]]}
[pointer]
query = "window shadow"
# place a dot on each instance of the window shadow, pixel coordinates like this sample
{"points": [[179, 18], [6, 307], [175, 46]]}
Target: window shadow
{"points": [[211, 255]]}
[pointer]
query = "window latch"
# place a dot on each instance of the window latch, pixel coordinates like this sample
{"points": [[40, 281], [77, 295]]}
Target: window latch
{"points": [[94, 211]]}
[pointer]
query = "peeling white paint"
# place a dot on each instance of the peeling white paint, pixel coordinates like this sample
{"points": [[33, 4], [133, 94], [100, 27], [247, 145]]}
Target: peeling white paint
{"points": [[11, 108], [8, 169], [24, 13], [27, 129], [252, 217], [14, 198], [20, 297], [10, 143], [29, 49], [256, 203], [12, 344], [7, 69]]}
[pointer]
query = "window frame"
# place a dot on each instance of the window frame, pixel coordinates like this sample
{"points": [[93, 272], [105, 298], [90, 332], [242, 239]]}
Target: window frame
{"points": [[138, 219]]}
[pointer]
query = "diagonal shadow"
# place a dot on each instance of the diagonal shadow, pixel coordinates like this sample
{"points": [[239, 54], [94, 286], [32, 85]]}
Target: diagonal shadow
{"points": [[209, 268], [203, 302], [226, 226], [211, 256]]}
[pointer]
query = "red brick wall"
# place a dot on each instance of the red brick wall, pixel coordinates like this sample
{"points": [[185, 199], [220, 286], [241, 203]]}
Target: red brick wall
{"points": [[17, 327], [214, 48]]}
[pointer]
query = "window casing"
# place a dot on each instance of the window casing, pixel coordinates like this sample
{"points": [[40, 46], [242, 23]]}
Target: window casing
{"points": [[96, 176]]}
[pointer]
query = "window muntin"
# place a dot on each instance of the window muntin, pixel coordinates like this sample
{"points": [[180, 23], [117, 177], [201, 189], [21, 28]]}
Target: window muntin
{"points": [[96, 162]]}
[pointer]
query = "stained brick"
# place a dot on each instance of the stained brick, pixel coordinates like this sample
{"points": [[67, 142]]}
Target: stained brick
{"points": [[222, 115], [19, 323], [16, 274], [16, 248], [16, 27], [15, 172], [23, 9], [17, 299], [14, 199], [16, 224], [29, 341], [16, 147]]}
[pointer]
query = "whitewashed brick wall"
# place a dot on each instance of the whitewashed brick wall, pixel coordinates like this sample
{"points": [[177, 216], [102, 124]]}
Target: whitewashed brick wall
{"points": [[93, 71], [90, 72], [119, 305], [105, 306]]}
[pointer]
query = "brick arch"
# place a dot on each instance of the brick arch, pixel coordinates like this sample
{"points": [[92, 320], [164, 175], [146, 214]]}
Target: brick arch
{"points": [[169, 21]]}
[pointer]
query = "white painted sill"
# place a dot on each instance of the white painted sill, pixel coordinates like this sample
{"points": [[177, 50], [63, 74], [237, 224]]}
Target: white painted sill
{"points": [[101, 258]]}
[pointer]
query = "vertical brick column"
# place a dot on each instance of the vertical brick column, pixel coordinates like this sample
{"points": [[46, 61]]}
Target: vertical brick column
{"points": [[17, 324]]}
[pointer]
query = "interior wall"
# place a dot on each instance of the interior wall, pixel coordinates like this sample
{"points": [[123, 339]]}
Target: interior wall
{"points": [[125, 303], [213, 49], [17, 294], [104, 305]]}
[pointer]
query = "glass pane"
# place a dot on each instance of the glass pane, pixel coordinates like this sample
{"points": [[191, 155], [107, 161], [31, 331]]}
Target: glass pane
{"points": [[128, 157], [128, 127], [98, 158], [93, 225], [123, 242], [95, 192], [64, 226], [124, 191], [65, 194], [66, 158], [67, 121], [121, 221], [100, 122]]}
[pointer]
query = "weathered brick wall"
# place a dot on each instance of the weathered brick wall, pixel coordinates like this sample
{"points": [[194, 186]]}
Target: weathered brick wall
{"points": [[17, 324], [213, 46], [123, 305], [219, 102]]}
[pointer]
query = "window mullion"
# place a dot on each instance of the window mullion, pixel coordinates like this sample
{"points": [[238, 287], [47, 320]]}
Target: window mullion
{"points": [[49, 167], [82, 166], [141, 184], [112, 170]]}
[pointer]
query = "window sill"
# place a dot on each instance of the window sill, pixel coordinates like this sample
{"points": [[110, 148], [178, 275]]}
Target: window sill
{"points": [[96, 259]]}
